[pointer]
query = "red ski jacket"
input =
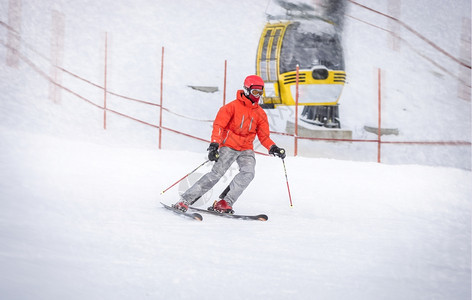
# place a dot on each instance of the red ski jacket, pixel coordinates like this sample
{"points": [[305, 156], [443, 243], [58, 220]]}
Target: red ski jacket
{"points": [[237, 124]]}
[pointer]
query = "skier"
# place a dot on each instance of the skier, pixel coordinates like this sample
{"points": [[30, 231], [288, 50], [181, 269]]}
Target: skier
{"points": [[234, 130]]}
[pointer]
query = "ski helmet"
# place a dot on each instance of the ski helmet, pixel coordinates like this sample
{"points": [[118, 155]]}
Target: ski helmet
{"points": [[253, 87]]}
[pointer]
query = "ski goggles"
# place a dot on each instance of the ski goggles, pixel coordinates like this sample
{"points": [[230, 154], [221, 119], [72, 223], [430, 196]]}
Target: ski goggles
{"points": [[257, 92]]}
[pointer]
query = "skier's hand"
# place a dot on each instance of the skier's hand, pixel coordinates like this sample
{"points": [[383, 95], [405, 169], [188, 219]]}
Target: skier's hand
{"points": [[213, 154], [276, 151]]}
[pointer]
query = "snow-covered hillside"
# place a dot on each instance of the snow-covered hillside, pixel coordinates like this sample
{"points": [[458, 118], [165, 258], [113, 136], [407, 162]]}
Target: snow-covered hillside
{"points": [[82, 221], [79, 206]]}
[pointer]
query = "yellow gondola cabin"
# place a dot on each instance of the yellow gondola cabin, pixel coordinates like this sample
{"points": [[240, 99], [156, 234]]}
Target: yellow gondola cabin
{"points": [[315, 46]]}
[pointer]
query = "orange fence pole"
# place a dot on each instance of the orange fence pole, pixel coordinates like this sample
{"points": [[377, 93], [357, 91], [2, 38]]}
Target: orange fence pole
{"points": [[295, 151], [13, 37], [57, 55], [105, 85], [160, 109], [379, 132], [224, 85]]}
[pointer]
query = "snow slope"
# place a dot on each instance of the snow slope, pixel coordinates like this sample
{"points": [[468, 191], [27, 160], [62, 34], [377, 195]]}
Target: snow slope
{"points": [[82, 221], [79, 211]]}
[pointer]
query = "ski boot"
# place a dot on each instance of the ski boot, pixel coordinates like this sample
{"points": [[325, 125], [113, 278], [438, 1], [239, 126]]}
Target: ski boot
{"points": [[181, 205], [222, 207]]}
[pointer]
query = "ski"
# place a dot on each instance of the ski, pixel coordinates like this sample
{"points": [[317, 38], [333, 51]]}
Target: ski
{"points": [[260, 217], [194, 216]]}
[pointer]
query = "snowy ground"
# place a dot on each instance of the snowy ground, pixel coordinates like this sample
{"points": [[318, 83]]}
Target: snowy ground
{"points": [[81, 221], [79, 209]]}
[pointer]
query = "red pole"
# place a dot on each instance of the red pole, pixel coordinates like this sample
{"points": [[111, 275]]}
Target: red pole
{"points": [[160, 109], [296, 113], [105, 85], [224, 88], [57, 55], [288, 187], [379, 142], [184, 177], [14, 33]]}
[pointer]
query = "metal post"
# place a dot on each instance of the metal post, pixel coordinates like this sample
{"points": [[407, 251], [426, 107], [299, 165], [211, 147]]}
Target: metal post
{"points": [[14, 33], [57, 55], [224, 85], [105, 85], [296, 113], [379, 131], [160, 109]]}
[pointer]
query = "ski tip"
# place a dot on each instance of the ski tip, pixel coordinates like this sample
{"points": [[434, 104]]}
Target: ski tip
{"points": [[262, 217], [198, 217]]}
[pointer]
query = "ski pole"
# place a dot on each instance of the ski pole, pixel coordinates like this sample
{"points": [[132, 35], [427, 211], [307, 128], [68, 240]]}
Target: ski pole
{"points": [[288, 187], [185, 176]]}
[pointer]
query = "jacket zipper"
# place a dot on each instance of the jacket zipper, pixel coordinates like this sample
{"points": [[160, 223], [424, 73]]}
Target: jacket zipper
{"points": [[226, 137], [250, 124], [242, 122]]}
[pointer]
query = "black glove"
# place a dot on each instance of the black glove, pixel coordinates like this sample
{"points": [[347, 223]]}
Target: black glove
{"points": [[276, 151], [213, 154]]}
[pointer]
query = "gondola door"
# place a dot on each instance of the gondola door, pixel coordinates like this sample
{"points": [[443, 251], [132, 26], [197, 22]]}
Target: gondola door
{"points": [[267, 64]]}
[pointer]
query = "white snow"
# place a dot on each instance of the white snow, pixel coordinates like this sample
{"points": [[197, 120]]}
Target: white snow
{"points": [[79, 211]]}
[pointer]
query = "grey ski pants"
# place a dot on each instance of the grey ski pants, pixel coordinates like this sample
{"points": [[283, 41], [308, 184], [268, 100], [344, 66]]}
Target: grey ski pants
{"points": [[246, 162]]}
